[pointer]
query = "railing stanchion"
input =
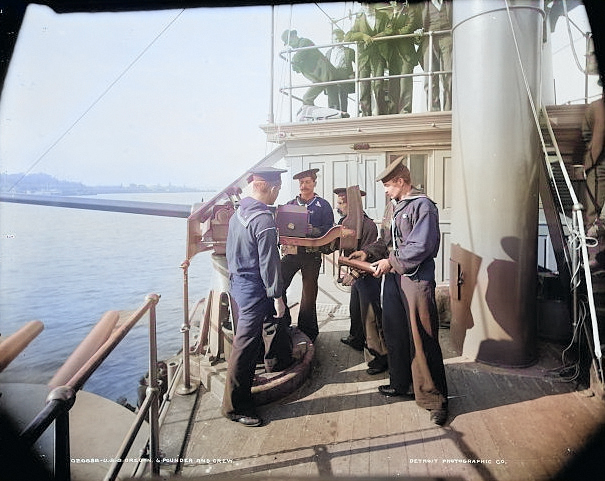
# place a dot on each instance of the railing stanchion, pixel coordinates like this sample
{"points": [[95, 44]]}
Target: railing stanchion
{"points": [[428, 74], [575, 263], [66, 397], [429, 96], [186, 387], [62, 448], [153, 390], [357, 84], [62, 398]]}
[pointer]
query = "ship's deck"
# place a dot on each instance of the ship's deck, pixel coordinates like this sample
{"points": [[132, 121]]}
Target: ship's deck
{"points": [[504, 424]]}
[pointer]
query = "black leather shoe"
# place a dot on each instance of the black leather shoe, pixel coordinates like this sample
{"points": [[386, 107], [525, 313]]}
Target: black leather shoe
{"points": [[248, 421], [439, 416], [379, 361], [389, 391], [372, 371], [352, 342]]}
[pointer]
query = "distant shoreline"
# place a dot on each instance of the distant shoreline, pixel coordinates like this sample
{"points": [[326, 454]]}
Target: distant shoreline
{"points": [[44, 184]]}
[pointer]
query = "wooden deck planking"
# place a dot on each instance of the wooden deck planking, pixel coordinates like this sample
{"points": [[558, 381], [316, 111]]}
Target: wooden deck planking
{"points": [[490, 440], [468, 431], [468, 408], [346, 418], [205, 441], [507, 421], [291, 423], [337, 424], [350, 451], [412, 426], [325, 405], [282, 459], [397, 451]]}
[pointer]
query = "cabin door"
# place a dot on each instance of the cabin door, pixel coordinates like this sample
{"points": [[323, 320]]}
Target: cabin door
{"points": [[344, 170]]}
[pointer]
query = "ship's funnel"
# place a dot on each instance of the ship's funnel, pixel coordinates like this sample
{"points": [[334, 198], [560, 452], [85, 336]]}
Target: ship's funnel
{"points": [[495, 154]]}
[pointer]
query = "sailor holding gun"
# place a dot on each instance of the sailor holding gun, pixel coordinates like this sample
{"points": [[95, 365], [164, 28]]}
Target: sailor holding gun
{"points": [[405, 257], [364, 305]]}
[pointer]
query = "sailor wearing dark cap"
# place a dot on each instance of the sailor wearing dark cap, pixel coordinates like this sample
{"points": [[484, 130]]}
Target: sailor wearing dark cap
{"points": [[255, 285], [369, 232], [364, 304], [307, 260], [405, 255]]}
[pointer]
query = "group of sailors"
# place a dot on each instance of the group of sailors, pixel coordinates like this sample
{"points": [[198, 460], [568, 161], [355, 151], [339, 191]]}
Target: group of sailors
{"points": [[379, 58], [393, 311]]}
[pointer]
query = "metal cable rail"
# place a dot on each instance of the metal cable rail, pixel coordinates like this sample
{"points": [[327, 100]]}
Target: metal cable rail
{"points": [[357, 80], [62, 398]]}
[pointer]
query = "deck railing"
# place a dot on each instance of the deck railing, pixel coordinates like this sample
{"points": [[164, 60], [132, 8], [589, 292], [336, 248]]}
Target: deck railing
{"points": [[431, 75], [62, 398], [357, 80]]}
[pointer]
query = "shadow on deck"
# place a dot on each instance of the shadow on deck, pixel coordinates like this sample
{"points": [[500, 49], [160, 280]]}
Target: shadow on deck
{"points": [[504, 424]]}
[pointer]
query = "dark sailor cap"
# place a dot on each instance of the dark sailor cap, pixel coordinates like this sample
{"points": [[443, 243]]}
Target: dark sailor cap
{"points": [[307, 173], [343, 191], [269, 174], [396, 169]]}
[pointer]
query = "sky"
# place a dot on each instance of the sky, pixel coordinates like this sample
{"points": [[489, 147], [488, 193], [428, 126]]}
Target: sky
{"points": [[174, 96]]}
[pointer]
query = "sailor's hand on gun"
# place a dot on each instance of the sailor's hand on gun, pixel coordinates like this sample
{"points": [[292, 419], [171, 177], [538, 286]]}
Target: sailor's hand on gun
{"points": [[381, 267], [349, 278], [359, 255], [280, 307]]}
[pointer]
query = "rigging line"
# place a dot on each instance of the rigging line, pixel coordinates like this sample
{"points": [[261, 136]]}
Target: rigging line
{"points": [[567, 45], [97, 100], [528, 90], [281, 81], [332, 21], [571, 43], [580, 225]]}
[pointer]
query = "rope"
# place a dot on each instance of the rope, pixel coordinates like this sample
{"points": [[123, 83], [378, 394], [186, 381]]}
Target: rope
{"points": [[571, 41], [577, 235], [97, 100]]}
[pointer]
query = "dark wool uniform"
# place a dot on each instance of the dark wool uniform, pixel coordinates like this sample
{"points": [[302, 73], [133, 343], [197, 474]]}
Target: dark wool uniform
{"points": [[365, 291], [308, 262], [372, 61], [409, 316], [255, 280], [314, 66]]}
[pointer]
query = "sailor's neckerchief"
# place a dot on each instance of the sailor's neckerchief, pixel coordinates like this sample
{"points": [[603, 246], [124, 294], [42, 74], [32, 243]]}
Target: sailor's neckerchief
{"points": [[414, 195], [299, 201]]}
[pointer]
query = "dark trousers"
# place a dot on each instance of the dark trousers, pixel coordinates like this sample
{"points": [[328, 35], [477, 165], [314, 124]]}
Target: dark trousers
{"points": [[309, 265], [254, 307], [356, 331], [366, 315], [396, 335], [411, 329], [277, 345]]}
